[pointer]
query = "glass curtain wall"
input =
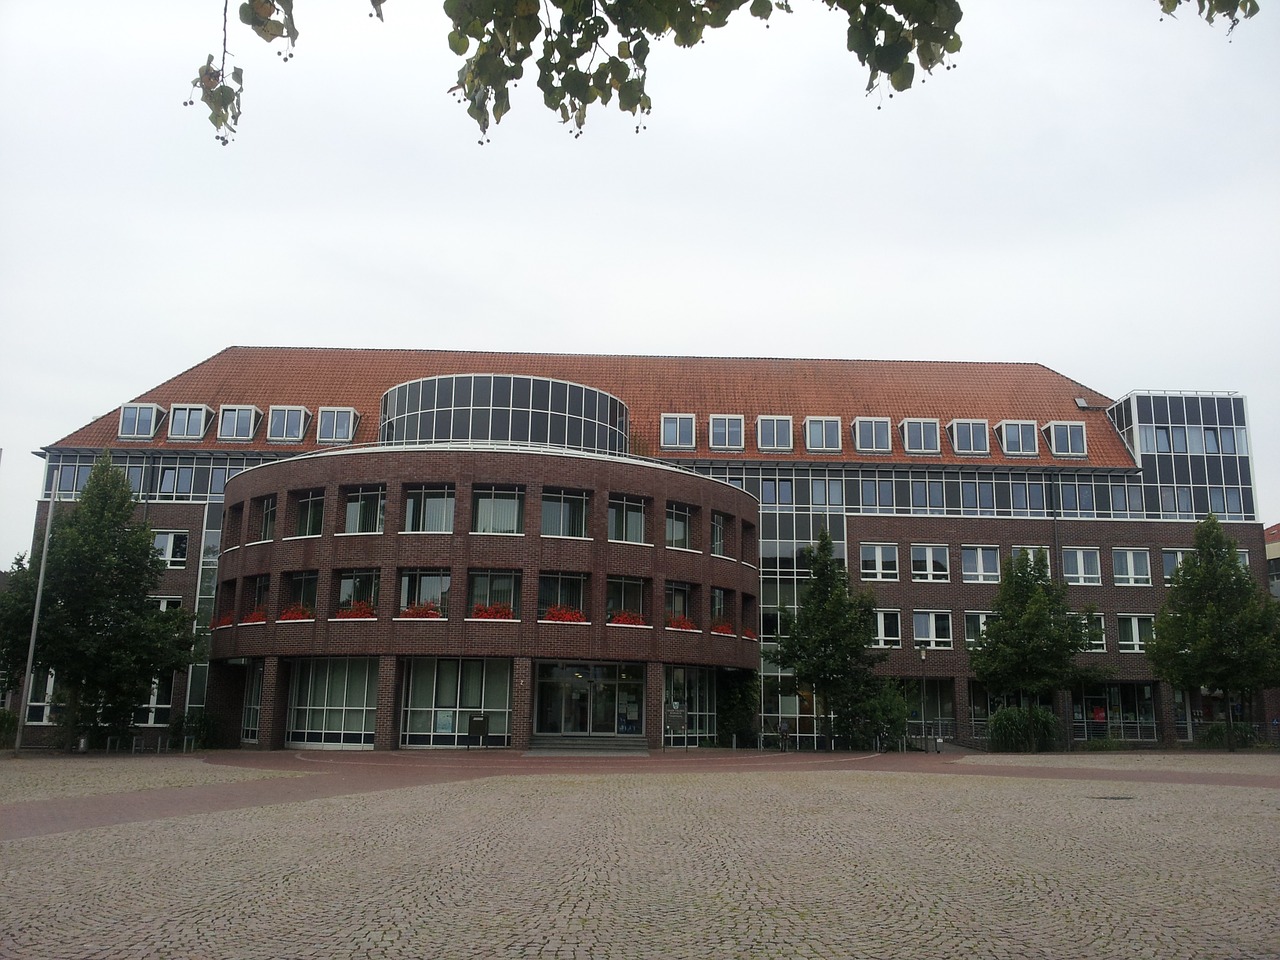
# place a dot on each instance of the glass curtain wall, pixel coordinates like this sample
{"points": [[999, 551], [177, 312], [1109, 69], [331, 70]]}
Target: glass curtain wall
{"points": [[332, 702], [441, 694]]}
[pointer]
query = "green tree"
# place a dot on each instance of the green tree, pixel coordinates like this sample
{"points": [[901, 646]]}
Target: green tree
{"points": [[827, 645], [1032, 639], [1218, 627], [587, 52], [100, 634]]}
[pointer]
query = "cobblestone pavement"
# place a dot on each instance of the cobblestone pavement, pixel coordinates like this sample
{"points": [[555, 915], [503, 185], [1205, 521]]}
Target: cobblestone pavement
{"points": [[47, 777], [706, 856]]}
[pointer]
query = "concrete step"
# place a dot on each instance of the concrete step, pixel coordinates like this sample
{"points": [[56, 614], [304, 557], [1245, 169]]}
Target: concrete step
{"points": [[557, 744]]}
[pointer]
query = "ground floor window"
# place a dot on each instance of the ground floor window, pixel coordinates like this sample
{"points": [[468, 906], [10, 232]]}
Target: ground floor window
{"points": [[982, 704], [590, 699], [252, 713], [155, 712], [41, 707], [939, 703], [332, 702], [441, 694], [1115, 711], [691, 693]]}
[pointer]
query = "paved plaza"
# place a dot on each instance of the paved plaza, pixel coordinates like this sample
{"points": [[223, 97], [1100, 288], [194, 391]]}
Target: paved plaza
{"points": [[704, 854]]}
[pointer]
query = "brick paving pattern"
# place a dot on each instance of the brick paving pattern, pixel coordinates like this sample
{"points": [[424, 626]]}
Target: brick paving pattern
{"points": [[677, 856]]}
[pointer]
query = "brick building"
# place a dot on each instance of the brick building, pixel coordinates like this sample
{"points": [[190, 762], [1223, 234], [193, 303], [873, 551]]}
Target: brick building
{"points": [[389, 543]]}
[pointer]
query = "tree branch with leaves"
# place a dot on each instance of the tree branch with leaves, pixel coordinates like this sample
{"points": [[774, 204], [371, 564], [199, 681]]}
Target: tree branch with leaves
{"points": [[589, 52]]}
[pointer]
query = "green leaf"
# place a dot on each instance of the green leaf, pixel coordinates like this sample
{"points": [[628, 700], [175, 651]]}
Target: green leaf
{"points": [[624, 50], [458, 43], [953, 44], [902, 77], [761, 9], [237, 76]]}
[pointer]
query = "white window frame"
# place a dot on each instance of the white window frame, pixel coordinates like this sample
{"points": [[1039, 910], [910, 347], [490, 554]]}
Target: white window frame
{"points": [[255, 416], [157, 414], [729, 420], [1101, 620], [933, 619], [152, 704], [206, 416], [924, 424], [872, 423], [1031, 550], [334, 412], [821, 423], [880, 552], [304, 421], [1180, 553], [1003, 427], [1131, 579], [166, 552], [884, 639], [1135, 644], [1051, 432], [930, 575], [679, 420], [972, 426], [984, 617], [1080, 578], [981, 574], [777, 420]]}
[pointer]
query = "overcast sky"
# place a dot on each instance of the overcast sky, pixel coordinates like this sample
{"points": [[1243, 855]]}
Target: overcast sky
{"points": [[1091, 189]]}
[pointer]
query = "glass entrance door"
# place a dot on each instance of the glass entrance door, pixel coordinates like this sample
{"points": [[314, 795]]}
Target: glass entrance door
{"points": [[590, 699]]}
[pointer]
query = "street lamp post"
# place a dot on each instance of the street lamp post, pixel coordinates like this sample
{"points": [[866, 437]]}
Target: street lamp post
{"points": [[922, 646], [25, 698]]}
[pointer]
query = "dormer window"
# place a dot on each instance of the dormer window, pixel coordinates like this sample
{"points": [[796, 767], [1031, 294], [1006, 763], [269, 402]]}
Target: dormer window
{"points": [[969, 437], [677, 431], [287, 424], [188, 423], [822, 434], [1066, 439], [337, 424], [138, 421], [1018, 437], [871, 434], [726, 432], [773, 433], [920, 436], [238, 423]]}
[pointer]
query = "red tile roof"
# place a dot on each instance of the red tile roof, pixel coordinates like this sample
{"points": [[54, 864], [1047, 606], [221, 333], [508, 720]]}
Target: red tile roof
{"points": [[650, 386]]}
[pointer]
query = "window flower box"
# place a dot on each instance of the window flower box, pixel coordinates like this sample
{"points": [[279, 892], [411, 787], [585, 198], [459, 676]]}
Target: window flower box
{"points": [[422, 611], [226, 620], [724, 629], [562, 614], [493, 611], [358, 610], [681, 623], [255, 616], [297, 612], [749, 634], [627, 618]]}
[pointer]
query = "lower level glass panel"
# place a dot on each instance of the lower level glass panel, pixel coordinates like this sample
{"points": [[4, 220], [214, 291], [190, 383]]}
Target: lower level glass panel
{"points": [[332, 703], [443, 694], [691, 693], [590, 699]]}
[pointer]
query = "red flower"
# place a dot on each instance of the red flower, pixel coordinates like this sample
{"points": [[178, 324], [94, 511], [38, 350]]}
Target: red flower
{"points": [[628, 618], [297, 612], [723, 627], [562, 614], [423, 611], [494, 611], [359, 610], [749, 634], [681, 622], [226, 620], [257, 615]]}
